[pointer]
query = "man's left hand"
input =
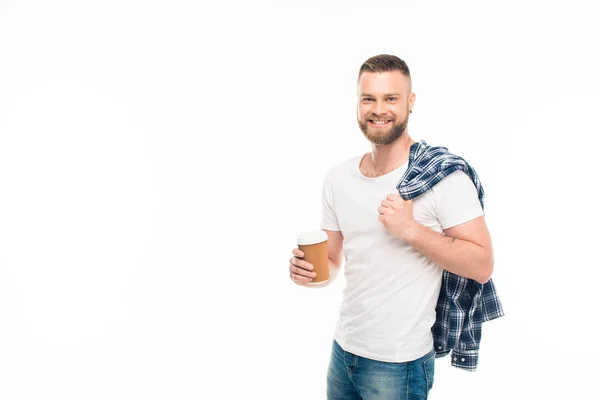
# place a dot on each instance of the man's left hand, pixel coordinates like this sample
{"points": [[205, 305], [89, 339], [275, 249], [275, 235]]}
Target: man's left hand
{"points": [[396, 215]]}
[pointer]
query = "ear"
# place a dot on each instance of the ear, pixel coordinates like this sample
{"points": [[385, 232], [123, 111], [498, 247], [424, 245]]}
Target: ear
{"points": [[411, 100]]}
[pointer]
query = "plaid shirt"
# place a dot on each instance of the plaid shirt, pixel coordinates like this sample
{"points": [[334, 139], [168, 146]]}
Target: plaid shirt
{"points": [[463, 304]]}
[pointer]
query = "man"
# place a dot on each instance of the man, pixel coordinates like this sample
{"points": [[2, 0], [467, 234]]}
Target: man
{"points": [[395, 250]]}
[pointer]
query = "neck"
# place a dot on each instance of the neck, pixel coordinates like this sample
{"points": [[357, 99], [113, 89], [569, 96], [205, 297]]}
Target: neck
{"points": [[385, 158]]}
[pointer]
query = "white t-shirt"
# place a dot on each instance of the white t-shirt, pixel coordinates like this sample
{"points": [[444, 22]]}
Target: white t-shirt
{"points": [[388, 304]]}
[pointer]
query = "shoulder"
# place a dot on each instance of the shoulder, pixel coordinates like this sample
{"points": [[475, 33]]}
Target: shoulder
{"points": [[456, 200], [457, 181], [343, 169]]}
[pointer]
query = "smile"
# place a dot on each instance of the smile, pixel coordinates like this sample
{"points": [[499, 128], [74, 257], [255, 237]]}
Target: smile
{"points": [[379, 122]]}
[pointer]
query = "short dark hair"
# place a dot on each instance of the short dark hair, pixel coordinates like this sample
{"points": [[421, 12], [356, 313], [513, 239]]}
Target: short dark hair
{"points": [[384, 63]]}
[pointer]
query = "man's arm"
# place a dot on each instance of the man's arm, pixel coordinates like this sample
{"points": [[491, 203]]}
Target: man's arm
{"points": [[334, 253], [466, 250]]}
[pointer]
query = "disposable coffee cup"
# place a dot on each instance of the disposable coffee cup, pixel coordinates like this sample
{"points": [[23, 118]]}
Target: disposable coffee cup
{"points": [[314, 246]]}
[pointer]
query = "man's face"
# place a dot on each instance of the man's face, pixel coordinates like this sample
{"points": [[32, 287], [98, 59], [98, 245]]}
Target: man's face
{"points": [[384, 101]]}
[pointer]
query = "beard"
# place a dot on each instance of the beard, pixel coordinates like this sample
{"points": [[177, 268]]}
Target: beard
{"points": [[380, 137]]}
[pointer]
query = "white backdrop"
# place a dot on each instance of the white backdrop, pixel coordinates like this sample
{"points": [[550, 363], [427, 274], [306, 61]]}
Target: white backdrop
{"points": [[158, 158]]}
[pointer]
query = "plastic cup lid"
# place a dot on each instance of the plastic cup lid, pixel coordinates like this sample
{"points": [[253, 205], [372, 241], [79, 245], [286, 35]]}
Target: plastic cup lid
{"points": [[312, 237]]}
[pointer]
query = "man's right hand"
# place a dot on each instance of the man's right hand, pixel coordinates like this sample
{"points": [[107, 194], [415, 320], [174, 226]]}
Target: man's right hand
{"points": [[301, 272]]}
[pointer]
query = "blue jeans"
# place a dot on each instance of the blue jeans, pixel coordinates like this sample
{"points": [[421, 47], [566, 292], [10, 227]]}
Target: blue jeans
{"points": [[351, 377]]}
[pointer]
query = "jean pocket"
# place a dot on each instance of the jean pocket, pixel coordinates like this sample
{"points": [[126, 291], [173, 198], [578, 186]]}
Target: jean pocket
{"points": [[429, 367]]}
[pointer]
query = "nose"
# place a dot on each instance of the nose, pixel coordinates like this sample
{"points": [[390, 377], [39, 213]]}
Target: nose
{"points": [[379, 108]]}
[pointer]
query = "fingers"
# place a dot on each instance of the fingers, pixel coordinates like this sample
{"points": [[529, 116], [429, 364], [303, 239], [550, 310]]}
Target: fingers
{"points": [[385, 210], [300, 282], [298, 253], [301, 271], [301, 267], [298, 261]]}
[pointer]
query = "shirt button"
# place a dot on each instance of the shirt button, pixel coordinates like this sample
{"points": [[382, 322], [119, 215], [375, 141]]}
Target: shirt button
{"points": [[462, 359], [454, 358]]}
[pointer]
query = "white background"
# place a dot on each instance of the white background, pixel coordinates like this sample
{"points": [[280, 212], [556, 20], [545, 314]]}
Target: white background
{"points": [[158, 158]]}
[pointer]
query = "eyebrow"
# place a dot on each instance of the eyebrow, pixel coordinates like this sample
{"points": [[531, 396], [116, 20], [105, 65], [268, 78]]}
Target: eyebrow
{"points": [[386, 95]]}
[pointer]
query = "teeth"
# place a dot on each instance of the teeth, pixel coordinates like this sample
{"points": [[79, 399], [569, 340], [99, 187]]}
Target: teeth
{"points": [[380, 122]]}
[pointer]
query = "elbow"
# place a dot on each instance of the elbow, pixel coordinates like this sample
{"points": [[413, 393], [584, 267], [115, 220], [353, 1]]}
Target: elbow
{"points": [[486, 271]]}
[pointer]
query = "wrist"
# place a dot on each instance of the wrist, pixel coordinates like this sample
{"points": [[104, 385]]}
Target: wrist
{"points": [[411, 232]]}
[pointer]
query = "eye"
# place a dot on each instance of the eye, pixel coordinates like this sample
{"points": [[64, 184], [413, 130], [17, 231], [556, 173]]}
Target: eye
{"points": [[367, 99], [392, 98]]}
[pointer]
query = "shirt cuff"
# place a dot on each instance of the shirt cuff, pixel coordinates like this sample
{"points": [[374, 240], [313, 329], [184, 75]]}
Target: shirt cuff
{"points": [[466, 359]]}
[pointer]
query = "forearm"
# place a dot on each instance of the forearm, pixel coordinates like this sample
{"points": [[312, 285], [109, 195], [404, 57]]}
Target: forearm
{"points": [[457, 256]]}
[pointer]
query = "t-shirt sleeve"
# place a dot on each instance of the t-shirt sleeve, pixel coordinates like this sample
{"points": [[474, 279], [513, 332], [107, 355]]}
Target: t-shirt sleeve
{"points": [[456, 200], [328, 218]]}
